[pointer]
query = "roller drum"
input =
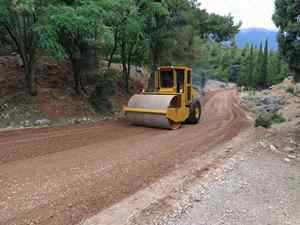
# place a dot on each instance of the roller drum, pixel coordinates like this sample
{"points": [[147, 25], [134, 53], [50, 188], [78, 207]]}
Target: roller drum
{"points": [[147, 118]]}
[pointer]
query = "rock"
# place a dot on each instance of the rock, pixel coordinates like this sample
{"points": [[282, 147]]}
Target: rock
{"points": [[273, 148], [251, 100], [268, 108], [19, 60], [77, 121], [81, 120], [197, 200], [263, 106], [287, 160], [289, 150], [292, 156], [139, 70], [297, 89], [42, 122], [273, 100], [262, 144], [25, 123]]}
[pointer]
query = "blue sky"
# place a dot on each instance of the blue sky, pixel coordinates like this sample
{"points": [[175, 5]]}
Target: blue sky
{"points": [[252, 13]]}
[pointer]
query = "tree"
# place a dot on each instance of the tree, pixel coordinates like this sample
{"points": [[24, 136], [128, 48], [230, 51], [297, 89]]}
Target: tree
{"points": [[75, 29], [277, 68], [131, 38], [258, 67], [221, 28], [264, 69], [250, 69], [173, 25], [19, 20], [286, 17], [156, 21]]}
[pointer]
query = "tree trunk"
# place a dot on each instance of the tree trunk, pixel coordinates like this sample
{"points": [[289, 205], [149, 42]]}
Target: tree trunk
{"points": [[125, 76], [30, 76], [155, 64], [31, 80], [129, 63], [128, 77], [76, 75], [296, 74], [113, 50], [124, 66]]}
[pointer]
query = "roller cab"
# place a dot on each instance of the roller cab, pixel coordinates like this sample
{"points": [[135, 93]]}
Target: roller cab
{"points": [[172, 103]]}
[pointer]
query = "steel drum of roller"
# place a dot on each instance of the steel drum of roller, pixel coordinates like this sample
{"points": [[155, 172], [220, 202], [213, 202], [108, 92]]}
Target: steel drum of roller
{"points": [[154, 111]]}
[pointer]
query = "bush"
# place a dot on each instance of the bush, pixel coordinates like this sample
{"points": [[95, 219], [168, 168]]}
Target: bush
{"points": [[290, 90], [105, 87], [267, 119], [264, 120], [277, 119]]}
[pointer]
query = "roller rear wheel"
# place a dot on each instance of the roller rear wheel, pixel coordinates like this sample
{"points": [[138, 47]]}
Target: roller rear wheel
{"points": [[195, 113]]}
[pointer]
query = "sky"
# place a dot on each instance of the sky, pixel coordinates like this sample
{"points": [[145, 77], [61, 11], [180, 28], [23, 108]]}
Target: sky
{"points": [[252, 13]]}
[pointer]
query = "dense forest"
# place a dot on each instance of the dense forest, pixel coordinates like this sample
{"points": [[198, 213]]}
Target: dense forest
{"points": [[133, 32], [250, 67]]}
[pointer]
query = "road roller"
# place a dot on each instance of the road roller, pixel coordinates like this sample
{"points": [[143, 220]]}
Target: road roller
{"points": [[173, 102]]}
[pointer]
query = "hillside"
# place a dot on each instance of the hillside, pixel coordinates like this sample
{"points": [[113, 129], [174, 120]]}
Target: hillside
{"points": [[255, 36], [57, 103]]}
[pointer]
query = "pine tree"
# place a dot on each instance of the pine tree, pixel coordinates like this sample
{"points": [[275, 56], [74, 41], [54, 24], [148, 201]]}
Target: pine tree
{"points": [[259, 67], [274, 68], [286, 19], [264, 69], [250, 70]]}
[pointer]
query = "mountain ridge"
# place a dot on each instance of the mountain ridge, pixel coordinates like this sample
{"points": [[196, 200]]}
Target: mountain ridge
{"points": [[255, 36]]}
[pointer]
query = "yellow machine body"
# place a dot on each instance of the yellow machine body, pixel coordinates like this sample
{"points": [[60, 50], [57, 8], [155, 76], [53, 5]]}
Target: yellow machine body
{"points": [[170, 104]]}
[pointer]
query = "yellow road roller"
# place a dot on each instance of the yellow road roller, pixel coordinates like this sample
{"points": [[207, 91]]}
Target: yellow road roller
{"points": [[173, 102]]}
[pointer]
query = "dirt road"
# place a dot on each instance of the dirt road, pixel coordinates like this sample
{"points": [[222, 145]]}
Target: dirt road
{"points": [[63, 175]]}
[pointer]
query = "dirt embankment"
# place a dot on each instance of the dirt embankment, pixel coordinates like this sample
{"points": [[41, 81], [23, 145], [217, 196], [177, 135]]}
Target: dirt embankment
{"points": [[276, 105], [56, 103], [64, 175]]}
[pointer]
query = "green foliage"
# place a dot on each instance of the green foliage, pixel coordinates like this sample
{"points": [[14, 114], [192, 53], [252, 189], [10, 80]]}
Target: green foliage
{"points": [[18, 21], [250, 67], [290, 90], [264, 120], [286, 17], [69, 26], [221, 28], [277, 119], [105, 88], [75, 31]]}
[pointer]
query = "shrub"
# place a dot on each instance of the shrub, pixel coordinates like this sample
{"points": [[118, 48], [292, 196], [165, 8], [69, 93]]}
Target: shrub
{"points": [[277, 119], [105, 87], [264, 120], [290, 90]]}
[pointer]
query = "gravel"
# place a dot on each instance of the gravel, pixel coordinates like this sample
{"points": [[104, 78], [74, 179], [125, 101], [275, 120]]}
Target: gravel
{"points": [[256, 188]]}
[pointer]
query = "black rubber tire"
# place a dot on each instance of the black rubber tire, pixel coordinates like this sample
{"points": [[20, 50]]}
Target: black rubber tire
{"points": [[193, 117]]}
